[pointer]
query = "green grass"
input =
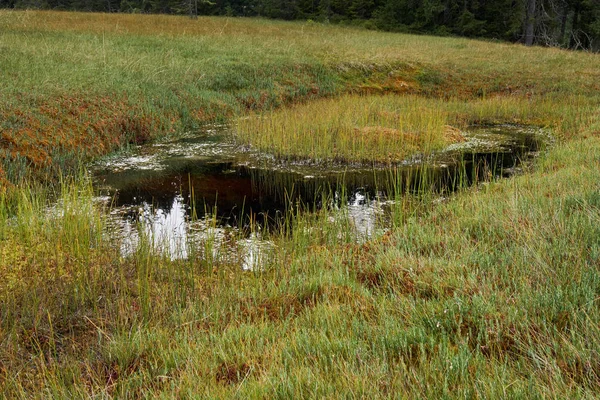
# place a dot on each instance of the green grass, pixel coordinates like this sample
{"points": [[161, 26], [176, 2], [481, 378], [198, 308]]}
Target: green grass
{"points": [[351, 128], [75, 85], [391, 128], [492, 293]]}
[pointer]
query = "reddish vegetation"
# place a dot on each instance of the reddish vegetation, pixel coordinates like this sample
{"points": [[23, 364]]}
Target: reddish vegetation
{"points": [[70, 127], [375, 133], [230, 374]]}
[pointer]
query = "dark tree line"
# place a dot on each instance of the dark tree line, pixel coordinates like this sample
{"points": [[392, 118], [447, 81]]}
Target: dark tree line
{"points": [[565, 23]]}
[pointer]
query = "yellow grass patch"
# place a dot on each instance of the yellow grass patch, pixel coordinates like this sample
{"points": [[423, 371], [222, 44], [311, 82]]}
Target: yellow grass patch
{"points": [[353, 128]]}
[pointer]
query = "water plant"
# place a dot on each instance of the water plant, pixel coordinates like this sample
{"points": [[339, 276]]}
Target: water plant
{"points": [[351, 128]]}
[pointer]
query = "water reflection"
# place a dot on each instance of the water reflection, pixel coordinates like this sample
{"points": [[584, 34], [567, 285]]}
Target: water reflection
{"points": [[172, 233], [200, 196], [164, 229], [364, 214]]}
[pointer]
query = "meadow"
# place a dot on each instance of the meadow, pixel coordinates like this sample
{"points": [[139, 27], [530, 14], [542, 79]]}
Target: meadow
{"points": [[491, 293]]}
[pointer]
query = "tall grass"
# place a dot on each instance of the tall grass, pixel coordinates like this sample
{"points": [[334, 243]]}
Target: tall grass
{"points": [[351, 128], [392, 128], [490, 293], [80, 85]]}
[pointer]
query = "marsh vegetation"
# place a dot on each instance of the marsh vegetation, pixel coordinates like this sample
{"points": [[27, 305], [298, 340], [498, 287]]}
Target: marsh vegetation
{"points": [[490, 291]]}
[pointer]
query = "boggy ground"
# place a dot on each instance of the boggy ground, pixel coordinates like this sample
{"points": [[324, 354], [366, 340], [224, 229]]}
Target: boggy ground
{"points": [[490, 293], [78, 85]]}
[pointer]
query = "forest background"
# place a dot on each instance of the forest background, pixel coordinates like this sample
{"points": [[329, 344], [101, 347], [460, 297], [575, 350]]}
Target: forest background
{"points": [[573, 24]]}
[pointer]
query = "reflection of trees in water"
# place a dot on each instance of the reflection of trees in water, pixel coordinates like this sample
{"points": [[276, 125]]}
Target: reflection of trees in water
{"points": [[238, 192], [461, 170]]}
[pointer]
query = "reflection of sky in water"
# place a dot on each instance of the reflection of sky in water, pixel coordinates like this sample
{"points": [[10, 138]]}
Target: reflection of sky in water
{"points": [[363, 214], [165, 230], [170, 232], [152, 188], [254, 251]]}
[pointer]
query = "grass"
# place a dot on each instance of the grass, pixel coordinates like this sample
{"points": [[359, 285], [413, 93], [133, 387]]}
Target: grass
{"points": [[391, 128], [351, 128], [78, 85], [490, 293], [502, 293]]}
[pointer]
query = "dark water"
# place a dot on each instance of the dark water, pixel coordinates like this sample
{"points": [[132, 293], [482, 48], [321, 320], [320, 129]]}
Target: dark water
{"points": [[236, 186], [204, 176]]}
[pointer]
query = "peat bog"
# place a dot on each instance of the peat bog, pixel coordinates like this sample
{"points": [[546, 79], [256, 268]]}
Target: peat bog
{"points": [[244, 208]]}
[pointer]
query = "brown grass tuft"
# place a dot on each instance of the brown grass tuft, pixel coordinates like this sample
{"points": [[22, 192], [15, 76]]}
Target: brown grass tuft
{"points": [[230, 374]]}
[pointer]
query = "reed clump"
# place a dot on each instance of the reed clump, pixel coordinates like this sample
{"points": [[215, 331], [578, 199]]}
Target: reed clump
{"points": [[391, 128], [352, 128]]}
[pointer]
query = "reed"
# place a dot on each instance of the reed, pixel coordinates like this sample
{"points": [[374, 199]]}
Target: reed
{"points": [[491, 292], [392, 128], [351, 128]]}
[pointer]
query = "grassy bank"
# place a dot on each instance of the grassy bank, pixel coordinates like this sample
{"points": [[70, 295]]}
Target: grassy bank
{"points": [[490, 293], [392, 128], [76, 85]]}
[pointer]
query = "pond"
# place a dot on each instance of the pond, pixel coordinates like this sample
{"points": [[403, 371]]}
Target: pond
{"points": [[183, 190]]}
